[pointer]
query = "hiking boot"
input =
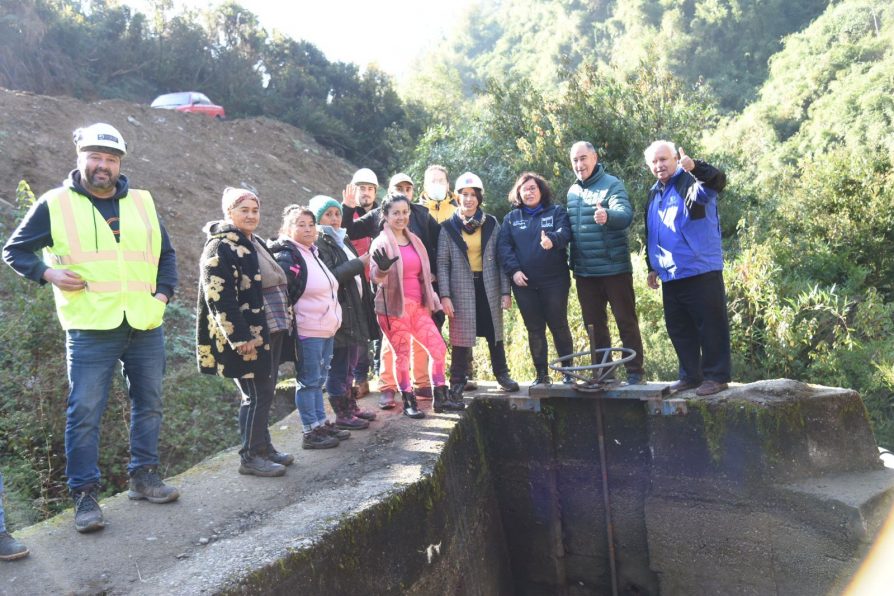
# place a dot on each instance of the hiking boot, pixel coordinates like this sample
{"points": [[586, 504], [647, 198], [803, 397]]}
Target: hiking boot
{"points": [[423, 393], [683, 385], [329, 429], [256, 465], [88, 515], [386, 399], [351, 422], [361, 389], [506, 382], [145, 483], [317, 439], [411, 408], [635, 379], [283, 459], [357, 410], [710, 387], [10, 548]]}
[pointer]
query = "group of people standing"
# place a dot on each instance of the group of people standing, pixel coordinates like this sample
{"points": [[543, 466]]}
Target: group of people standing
{"points": [[350, 283]]}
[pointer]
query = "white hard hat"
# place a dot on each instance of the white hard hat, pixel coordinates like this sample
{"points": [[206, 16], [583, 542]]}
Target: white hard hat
{"points": [[468, 180], [365, 176], [100, 135], [398, 178]]}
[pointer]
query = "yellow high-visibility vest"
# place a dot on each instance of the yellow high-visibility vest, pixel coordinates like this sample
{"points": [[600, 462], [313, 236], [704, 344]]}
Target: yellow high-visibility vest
{"points": [[120, 276]]}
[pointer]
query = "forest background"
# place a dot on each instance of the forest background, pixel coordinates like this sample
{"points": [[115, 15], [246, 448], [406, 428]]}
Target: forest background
{"points": [[793, 98]]}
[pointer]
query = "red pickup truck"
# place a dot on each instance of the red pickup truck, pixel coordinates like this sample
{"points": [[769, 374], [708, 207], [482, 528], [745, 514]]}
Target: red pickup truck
{"points": [[189, 101]]}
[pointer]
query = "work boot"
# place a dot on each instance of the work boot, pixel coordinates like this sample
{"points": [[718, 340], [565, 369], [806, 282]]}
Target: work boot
{"points": [[344, 416], [10, 548], [357, 410], [386, 399], [256, 465], [506, 382], [88, 515], [329, 429], [411, 409], [283, 459], [145, 483], [319, 439]]}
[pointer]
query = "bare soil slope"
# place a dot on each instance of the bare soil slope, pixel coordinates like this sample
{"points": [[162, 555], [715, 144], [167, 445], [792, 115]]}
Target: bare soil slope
{"points": [[185, 160]]}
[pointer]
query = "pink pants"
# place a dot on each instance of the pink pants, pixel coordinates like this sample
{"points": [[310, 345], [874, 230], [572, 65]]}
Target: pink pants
{"points": [[401, 331]]}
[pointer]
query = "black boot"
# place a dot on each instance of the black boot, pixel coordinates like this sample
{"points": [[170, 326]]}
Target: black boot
{"points": [[444, 401], [457, 386], [410, 407]]}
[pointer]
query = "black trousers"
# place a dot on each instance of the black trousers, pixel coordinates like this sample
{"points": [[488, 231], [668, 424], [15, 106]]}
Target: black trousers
{"points": [[594, 294], [698, 325], [543, 307], [257, 397], [461, 357]]}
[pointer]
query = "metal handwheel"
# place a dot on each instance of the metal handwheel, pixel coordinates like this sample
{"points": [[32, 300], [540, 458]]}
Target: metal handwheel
{"points": [[602, 367]]}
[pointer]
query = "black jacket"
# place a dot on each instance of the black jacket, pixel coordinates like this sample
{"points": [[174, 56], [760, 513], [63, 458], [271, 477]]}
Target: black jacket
{"points": [[290, 260], [358, 322]]}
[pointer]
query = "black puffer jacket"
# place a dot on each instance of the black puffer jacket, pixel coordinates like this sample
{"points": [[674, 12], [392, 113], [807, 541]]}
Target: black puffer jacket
{"points": [[358, 324]]}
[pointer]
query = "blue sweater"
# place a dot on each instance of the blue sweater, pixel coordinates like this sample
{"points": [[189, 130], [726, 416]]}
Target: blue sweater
{"points": [[519, 245]]}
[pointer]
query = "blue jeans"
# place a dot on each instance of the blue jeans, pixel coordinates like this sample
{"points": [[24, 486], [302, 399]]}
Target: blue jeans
{"points": [[316, 355], [92, 357], [2, 518], [344, 361]]}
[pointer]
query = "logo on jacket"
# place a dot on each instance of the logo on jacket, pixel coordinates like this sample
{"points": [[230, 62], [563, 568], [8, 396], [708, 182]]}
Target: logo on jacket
{"points": [[546, 222]]}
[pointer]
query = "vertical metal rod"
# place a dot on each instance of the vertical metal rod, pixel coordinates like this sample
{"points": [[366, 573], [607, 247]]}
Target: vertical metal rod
{"points": [[609, 526]]}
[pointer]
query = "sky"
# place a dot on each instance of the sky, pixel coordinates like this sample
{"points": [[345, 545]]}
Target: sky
{"points": [[391, 33]]}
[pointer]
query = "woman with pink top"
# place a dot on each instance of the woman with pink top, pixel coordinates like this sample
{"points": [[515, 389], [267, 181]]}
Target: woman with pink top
{"points": [[317, 318], [405, 299]]}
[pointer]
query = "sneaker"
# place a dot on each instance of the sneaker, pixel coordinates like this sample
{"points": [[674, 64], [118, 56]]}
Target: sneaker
{"points": [[423, 393], [635, 379], [88, 515], [361, 389], [470, 386], [255, 465], [145, 483], [542, 379], [329, 429], [568, 379], [10, 548], [277, 457], [351, 423], [710, 387], [506, 383], [317, 439], [386, 399]]}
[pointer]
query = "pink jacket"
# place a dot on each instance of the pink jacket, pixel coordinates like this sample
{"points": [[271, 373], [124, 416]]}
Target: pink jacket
{"points": [[317, 312], [390, 293]]}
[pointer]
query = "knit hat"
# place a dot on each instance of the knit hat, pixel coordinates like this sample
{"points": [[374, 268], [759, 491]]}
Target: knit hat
{"points": [[320, 204], [233, 196]]}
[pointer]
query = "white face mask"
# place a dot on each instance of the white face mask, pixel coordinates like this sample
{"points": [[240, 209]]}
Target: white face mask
{"points": [[437, 192]]}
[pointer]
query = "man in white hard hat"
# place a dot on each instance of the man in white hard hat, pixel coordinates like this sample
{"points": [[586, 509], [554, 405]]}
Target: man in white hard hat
{"points": [[113, 270], [358, 199]]}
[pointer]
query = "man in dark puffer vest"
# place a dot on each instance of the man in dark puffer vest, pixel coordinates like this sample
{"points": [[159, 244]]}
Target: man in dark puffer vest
{"points": [[600, 215]]}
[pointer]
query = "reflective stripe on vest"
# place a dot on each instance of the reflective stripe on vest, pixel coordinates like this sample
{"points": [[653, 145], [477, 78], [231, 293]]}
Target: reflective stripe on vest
{"points": [[119, 275]]}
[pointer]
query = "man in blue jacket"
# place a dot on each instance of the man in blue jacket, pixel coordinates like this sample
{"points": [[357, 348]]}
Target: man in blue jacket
{"points": [[685, 253], [600, 215]]}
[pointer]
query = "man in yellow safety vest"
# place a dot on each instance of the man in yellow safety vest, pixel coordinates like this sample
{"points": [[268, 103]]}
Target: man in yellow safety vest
{"points": [[113, 270]]}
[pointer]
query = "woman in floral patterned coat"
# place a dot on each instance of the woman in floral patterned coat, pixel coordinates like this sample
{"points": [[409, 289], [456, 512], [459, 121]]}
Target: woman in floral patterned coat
{"points": [[243, 318]]}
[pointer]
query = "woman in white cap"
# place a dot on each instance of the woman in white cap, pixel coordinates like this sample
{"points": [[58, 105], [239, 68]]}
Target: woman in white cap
{"points": [[473, 287], [243, 318]]}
